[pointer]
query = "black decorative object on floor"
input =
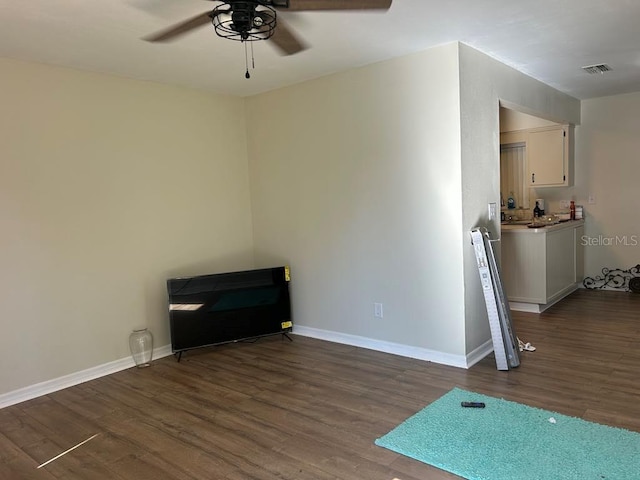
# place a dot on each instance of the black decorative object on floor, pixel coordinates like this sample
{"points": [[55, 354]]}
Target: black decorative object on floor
{"points": [[627, 280]]}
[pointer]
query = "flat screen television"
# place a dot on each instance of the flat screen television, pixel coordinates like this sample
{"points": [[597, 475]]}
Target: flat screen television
{"points": [[220, 308]]}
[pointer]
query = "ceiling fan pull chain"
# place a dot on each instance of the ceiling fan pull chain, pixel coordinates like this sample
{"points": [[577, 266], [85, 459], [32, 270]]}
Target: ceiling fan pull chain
{"points": [[253, 60], [246, 61]]}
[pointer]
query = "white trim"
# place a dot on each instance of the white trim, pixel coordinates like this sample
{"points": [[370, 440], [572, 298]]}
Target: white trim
{"points": [[561, 295], [479, 353], [541, 307], [418, 353], [50, 386], [525, 307]]}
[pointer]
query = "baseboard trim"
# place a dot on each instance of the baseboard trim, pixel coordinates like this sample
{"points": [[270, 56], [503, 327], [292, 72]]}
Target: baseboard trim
{"points": [[538, 307], [479, 353], [418, 353], [525, 307], [50, 386]]}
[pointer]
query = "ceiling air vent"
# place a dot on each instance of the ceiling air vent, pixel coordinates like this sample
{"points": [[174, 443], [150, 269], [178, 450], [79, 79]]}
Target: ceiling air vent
{"points": [[603, 67]]}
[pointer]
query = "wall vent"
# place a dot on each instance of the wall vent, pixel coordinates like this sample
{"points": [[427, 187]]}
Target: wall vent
{"points": [[603, 67]]}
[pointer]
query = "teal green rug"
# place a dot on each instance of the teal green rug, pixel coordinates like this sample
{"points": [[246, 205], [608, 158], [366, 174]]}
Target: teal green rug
{"points": [[510, 441]]}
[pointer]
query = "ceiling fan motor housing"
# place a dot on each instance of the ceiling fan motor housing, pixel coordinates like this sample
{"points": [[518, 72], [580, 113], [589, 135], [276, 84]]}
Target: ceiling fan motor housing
{"points": [[244, 21]]}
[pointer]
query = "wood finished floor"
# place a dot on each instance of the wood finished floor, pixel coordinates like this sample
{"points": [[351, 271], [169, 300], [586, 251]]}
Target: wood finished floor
{"points": [[309, 409]]}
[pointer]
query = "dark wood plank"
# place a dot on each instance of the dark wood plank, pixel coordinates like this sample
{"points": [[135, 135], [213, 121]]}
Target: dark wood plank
{"points": [[311, 410]]}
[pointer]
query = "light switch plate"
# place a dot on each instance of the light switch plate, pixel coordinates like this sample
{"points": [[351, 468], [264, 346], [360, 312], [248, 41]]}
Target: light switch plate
{"points": [[492, 210]]}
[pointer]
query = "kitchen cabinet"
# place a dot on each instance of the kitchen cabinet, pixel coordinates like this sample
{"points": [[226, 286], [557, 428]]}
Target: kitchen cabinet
{"points": [[550, 156], [540, 266]]}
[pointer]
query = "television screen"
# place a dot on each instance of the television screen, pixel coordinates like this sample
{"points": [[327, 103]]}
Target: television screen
{"points": [[226, 307]]}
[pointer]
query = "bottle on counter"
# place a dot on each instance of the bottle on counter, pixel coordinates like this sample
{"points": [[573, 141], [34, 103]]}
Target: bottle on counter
{"points": [[572, 210], [536, 211]]}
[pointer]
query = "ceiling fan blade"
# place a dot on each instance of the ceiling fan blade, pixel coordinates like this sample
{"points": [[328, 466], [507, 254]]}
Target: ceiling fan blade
{"points": [[300, 5], [285, 40], [180, 28]]}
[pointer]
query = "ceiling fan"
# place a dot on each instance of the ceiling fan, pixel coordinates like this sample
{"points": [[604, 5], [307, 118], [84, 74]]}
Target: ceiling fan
{"points": [[251, 20]]}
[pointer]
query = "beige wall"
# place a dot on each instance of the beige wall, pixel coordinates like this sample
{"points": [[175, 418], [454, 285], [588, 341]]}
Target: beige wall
{"points": [[485, 84], [607, 167], [366, 182], [355, 181], [107, 187], [511, 120]]}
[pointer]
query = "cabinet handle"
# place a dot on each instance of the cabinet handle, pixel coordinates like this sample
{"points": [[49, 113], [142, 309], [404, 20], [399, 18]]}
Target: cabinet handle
{"points": [[533, 178]]}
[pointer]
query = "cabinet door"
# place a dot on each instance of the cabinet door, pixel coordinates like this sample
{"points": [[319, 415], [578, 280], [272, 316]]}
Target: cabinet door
{"points": [[560, 261], [578, 240], [547, 157], [523, 267]]}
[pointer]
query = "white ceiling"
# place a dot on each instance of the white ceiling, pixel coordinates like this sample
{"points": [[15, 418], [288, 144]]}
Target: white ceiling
{"points": [[547, 39]]}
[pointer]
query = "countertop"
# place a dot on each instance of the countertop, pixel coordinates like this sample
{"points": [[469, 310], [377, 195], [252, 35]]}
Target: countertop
{"points": [[510, 228]]}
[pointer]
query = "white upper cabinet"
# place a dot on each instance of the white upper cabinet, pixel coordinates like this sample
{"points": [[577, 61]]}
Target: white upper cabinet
{"points": [[550, 156]]}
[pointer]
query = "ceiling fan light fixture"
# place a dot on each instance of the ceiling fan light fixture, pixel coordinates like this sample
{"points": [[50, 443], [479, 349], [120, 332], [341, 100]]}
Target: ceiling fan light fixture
{"points": [[252, 20], [244, 21]]}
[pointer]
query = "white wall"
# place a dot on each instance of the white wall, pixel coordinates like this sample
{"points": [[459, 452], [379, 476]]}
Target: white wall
{"points": [[485, 83], [355, 182], [608, 168], [107, 187]]}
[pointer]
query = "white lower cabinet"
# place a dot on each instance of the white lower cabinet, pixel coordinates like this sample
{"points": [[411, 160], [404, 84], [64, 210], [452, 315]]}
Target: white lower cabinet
{"points": [[542, 265]]}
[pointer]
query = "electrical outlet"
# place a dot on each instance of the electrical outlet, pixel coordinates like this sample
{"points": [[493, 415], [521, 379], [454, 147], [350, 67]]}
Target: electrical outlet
{"points": [[377, 310], [565, 203], [592, 199]]}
